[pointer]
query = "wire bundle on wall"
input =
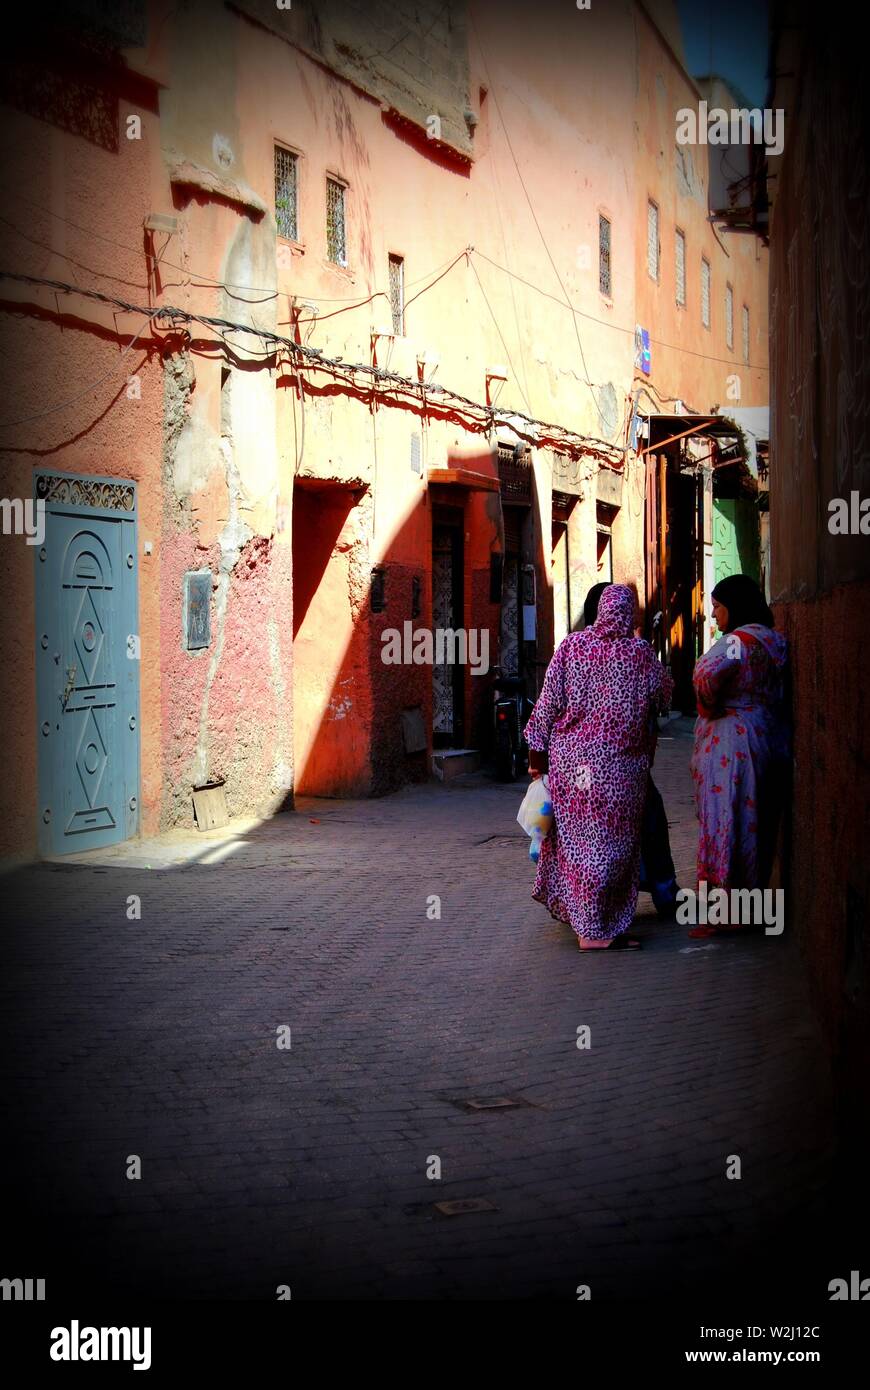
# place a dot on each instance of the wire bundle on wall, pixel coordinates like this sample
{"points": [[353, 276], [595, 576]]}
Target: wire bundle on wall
{"points": [[485, 417]]}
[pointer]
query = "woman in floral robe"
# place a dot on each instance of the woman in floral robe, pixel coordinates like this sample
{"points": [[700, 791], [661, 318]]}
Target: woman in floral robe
{"points": [[591, 730], [741, 740]]}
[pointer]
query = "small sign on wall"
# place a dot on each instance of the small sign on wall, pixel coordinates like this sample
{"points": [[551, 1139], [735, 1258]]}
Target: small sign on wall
{"points": [[642, 350], [197, 609]]}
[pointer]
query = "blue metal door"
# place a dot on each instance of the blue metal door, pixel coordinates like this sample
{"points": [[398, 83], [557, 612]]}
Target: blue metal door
{"points": [[87, 660]]}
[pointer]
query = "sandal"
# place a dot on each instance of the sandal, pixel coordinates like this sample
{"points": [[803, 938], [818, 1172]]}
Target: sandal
{"points": [[619, 943]]}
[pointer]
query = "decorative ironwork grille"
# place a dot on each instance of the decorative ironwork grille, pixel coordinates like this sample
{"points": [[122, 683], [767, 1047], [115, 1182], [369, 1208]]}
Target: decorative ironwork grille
{"points": [[729, 316], [84, 492], [652, 239], [286, 193], [605, 283], [397, 293], [705, 293], [681, 267], [515, 474], [336, 241], [746, 335]]}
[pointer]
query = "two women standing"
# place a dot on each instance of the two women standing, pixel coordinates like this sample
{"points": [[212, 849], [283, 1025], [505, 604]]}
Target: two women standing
{"points": [[593, 729]]}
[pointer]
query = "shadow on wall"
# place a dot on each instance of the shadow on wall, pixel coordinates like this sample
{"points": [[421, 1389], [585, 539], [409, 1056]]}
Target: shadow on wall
{"points": [[348, 705], [359, 722]]}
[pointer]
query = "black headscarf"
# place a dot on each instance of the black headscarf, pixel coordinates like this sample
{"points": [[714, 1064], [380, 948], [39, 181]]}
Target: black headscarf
{"points": [[590, 607], [744, 600]]}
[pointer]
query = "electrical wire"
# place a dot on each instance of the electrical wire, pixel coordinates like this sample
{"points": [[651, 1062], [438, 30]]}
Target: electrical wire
{"points": [[208, 281], [567, 301], [501, 336], [497, 201], [541, 431], [617, 327], [321, 318], [354, 301], [71, 400]]}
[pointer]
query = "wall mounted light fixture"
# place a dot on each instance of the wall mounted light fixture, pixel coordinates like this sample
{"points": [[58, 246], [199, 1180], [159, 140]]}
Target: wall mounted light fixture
{"points": [[499, 374]]}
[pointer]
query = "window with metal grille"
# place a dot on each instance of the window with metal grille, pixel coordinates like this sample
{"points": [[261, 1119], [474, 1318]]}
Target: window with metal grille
{"points": [[515, 473], [605, 283], [286, 193], [336, 236], [729, 316], [652, 239], [681, 267], [746, 335], [705, 292], [397, 293]]}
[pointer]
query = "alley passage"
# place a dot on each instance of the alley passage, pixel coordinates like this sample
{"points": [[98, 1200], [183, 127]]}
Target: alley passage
{"points": [[307, 1167]]}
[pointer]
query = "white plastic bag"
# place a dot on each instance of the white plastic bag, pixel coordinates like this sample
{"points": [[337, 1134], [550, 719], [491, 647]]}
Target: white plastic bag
{"points": [[536, 814]]}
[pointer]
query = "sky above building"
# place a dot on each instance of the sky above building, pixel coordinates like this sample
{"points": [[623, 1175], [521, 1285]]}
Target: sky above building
{"points": [[731, 40]]}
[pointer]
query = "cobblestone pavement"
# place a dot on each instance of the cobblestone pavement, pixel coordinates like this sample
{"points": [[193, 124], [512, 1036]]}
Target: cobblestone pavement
{"points": [[307, 1166]]}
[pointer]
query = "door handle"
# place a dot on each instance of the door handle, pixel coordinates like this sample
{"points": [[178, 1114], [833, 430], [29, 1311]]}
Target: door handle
{"points": [[70, 685]]}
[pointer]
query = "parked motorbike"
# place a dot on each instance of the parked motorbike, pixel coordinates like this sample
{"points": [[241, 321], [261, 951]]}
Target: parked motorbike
{"points": [[512, 710]]}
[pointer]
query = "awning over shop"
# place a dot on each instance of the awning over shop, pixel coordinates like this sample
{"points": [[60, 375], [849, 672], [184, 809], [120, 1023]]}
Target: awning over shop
{"points": [[665, 429], [753, 421]]}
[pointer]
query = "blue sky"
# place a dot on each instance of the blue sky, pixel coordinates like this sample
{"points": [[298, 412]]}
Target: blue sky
{"points": [[739, 36]]}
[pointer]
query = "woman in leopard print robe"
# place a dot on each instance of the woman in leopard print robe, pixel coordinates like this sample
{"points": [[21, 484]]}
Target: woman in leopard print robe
{"points": [[593, 720]]}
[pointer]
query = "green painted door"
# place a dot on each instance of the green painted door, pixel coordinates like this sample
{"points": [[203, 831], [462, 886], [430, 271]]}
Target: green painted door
{"points": [[735, 537]]}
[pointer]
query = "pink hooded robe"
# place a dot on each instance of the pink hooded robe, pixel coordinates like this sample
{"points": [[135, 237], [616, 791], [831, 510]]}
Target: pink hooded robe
{"points": [[594, 718]]}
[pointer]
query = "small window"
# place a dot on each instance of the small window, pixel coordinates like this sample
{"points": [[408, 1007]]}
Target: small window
{"points": [[729, 316], [652, 239], [705, 292], [680, 253], [605, 283], [286, 193], [336, 235], [397, 294], [746, 335], [604, 515], [379, 589]]}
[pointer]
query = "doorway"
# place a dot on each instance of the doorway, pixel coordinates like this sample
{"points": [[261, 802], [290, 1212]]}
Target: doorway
{"points": [[675, 569], [448, 611], [330, 680], [87, 664], [563, 615]]}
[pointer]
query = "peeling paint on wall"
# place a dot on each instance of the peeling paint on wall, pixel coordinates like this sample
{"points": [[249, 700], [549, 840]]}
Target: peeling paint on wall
{"points": [[179, 380], [231, 540]]}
